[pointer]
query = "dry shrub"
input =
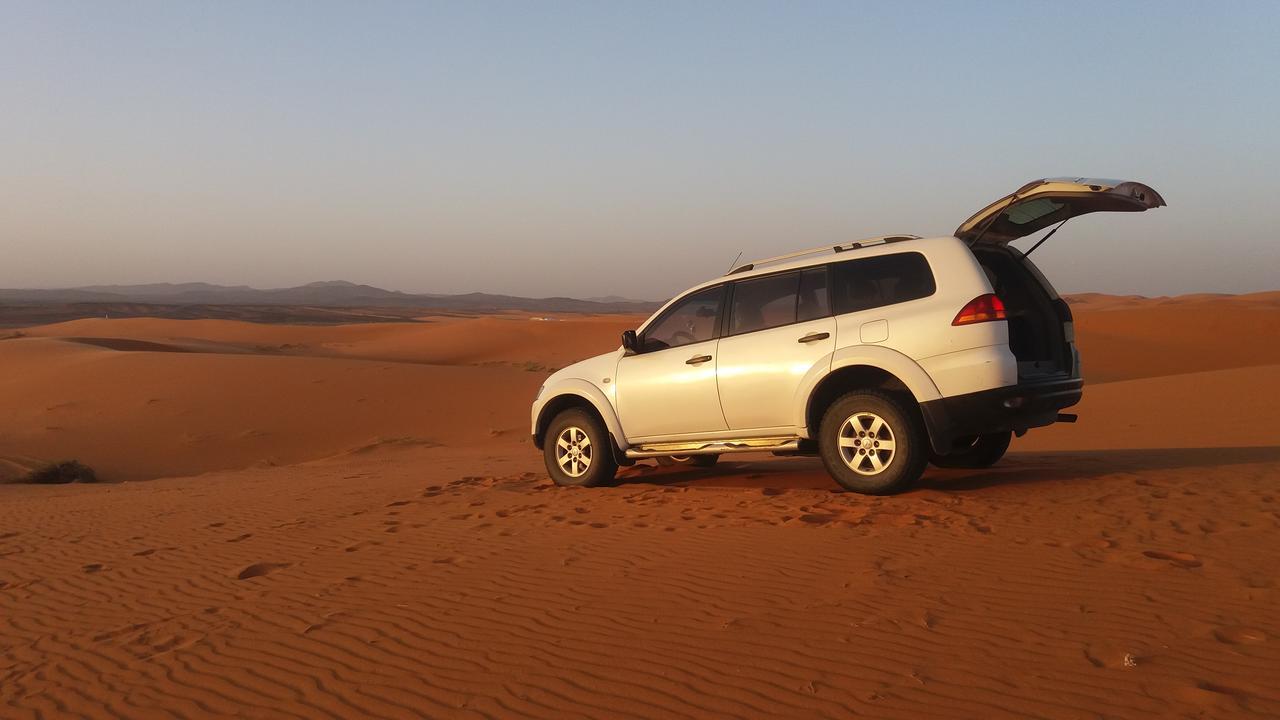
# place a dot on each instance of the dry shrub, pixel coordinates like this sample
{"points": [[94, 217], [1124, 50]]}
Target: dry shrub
{"points": [[67, 471]]}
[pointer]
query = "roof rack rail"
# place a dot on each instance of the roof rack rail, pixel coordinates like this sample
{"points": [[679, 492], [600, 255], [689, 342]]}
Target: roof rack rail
{"points": [[825, 248]]}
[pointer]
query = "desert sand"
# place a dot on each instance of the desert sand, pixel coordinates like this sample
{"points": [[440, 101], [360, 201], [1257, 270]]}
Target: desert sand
{"points": [[350, 521]]}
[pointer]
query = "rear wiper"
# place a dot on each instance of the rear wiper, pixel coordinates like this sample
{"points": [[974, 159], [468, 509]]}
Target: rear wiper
{"points": [[1046, 237]]}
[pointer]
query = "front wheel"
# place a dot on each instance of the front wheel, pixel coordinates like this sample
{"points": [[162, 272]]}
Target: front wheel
{"points": [[690, 460], [577, 450], [871, 442], [976, 451]]}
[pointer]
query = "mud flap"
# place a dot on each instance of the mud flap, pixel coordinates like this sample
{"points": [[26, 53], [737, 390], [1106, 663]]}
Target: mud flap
{"points": [[938, 424]]}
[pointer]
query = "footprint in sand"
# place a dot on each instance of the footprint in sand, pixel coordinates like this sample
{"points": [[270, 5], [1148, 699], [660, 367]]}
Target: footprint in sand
{"points": [[1257, 581], [817, 519], [260, 569], [984, 529], [1238, 695], [93, 567], [1093, 548], [1181, 559], [1240, 635], [1110, 655]]}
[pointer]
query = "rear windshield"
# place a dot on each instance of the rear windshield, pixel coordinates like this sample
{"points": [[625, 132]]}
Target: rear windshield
{"points": [[1032, 210], [882, 280]]}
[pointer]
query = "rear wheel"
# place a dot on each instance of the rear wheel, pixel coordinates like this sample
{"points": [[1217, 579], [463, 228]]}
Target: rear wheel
{"points": [[691, 460], [577, 450], [975, 451], [871, 442]]}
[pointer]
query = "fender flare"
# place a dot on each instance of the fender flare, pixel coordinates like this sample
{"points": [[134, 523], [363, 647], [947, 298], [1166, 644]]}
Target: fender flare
{"points": [[588, 392], [876, 356]]}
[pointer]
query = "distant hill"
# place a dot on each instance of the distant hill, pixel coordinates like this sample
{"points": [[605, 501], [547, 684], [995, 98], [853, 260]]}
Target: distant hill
{"points": [[613, 299], [331, 293]]}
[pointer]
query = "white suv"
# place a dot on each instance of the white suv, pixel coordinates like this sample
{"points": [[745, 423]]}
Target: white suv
{"points": [[880, 356]]}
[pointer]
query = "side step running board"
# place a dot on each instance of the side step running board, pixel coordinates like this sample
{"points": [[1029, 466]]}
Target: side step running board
{"points": [[716, 447]]}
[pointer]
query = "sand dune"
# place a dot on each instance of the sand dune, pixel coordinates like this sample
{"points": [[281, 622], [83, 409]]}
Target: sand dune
{"points": [[139, 398], [1170, 339], [375, 537], [135, 415], [512, 339], [1239, 407]]}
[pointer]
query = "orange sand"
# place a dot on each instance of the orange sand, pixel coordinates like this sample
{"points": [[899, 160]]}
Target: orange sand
{"points": [[374, 537]]}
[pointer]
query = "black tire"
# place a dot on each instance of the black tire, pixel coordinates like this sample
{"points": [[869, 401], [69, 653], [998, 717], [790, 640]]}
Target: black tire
{"points": [[596, 454], [703, 461], [899, 468], [975, 451]]}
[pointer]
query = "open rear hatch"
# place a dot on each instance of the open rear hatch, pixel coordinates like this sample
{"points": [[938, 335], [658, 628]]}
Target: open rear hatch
{"points": [[1041, 333], [1042, 203]]}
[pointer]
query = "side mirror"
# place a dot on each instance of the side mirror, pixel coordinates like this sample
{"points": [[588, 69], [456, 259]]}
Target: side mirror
{"points": [[630, 342]]}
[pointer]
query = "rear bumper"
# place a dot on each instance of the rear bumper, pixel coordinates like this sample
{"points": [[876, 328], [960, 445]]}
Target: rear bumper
{"points": [[1015, 407]]}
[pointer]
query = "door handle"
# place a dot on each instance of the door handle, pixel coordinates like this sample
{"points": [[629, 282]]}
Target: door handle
{"points": [[697, 360], [814, 337]]}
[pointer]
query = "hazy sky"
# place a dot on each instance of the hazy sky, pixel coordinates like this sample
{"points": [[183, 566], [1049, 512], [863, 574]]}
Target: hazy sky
{"points": [[620, 148]]}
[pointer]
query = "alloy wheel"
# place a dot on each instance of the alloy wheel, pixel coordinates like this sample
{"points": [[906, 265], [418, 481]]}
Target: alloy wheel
{"points": [[867, 443], [573, 451]]}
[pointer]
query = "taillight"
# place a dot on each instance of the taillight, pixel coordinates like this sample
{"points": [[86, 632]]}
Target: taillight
{"points": [[984, 308]]}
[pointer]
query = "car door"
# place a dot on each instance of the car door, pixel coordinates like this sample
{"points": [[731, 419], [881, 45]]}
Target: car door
{"points": [[779, 327], [669, 387]]}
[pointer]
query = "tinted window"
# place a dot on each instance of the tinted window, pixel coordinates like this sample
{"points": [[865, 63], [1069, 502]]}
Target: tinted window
{"points": [[763, 303], [877, 281], [689, 321], [814, 302]]}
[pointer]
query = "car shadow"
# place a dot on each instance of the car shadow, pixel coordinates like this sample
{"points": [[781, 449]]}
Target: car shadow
{"points": [[1017, 468]]}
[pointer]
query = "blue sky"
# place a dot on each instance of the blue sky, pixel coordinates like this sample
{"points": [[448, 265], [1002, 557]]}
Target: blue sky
{"points": [[620, 148]]}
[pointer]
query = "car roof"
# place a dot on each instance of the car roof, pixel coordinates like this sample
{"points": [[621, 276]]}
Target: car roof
{"points": [[867, 247]]}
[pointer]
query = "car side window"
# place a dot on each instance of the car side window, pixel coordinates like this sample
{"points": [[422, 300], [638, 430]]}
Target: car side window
{"points": [[691, 320], [763, 303], [814, 301], [882, 280]]}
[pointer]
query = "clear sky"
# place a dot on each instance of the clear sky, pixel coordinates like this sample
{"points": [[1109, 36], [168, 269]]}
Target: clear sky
{"points": [[602, 148]]}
